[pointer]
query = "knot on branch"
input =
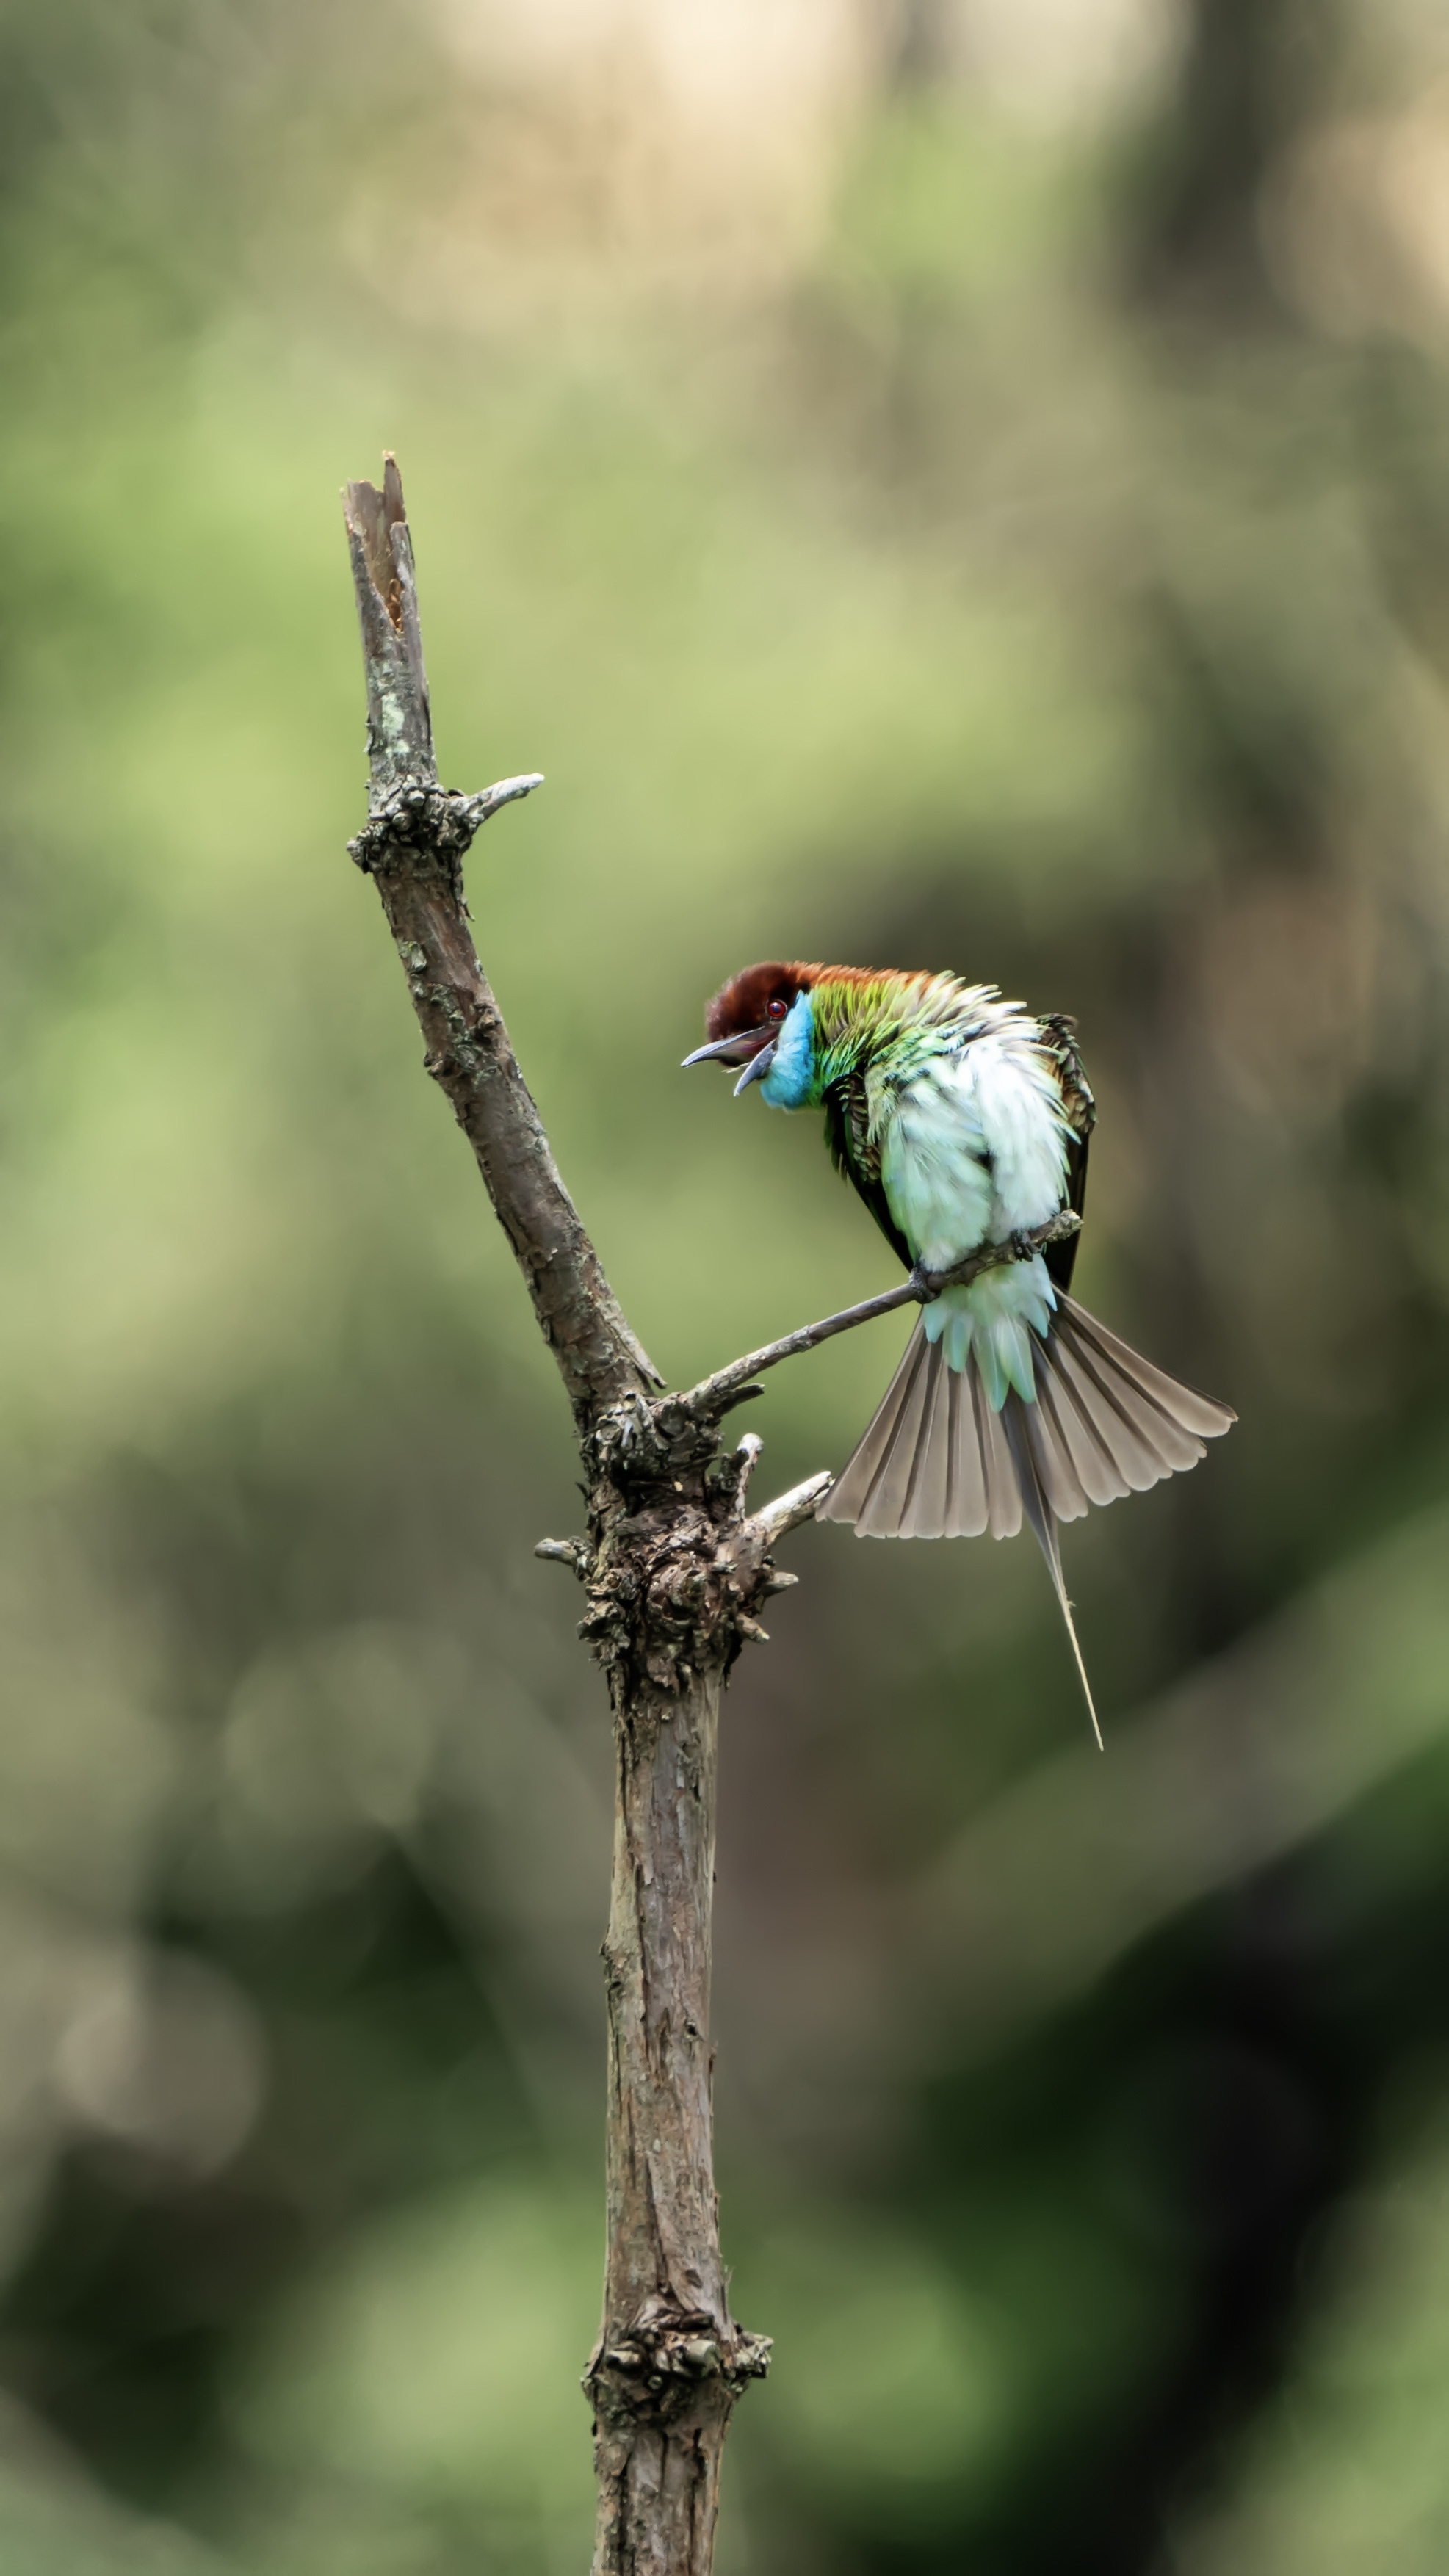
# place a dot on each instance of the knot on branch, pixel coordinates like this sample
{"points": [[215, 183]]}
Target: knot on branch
{"points": [[670, 1594], [653, 2373], [651, 1444], [427, 829], [430, 829], [676, 1569]]}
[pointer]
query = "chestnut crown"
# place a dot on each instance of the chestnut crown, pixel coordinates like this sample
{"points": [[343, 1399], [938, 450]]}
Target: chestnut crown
{"points": [[753, 1003]]}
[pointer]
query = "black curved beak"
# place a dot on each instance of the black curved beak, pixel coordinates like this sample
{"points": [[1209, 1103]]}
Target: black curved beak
{"points": [[732, 1050], [757, 1067]]}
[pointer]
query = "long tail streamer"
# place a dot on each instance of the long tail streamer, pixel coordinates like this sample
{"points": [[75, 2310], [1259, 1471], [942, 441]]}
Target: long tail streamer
{"points": [[937, 1462]]}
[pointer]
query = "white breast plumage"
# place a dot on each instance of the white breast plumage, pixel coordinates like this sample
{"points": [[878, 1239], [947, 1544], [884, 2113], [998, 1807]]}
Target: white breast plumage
{"points": [[974, 1148]]}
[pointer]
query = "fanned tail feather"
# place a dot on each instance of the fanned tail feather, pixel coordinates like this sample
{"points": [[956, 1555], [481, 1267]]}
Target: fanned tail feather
{"points": [[937, 1462]]}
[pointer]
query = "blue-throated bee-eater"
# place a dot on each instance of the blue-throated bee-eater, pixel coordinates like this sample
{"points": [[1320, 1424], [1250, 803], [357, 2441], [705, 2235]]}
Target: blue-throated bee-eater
{"points": [[963, 1121]]}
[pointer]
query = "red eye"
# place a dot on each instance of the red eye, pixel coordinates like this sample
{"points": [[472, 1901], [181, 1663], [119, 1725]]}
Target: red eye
{"points": [[777, 1010]]}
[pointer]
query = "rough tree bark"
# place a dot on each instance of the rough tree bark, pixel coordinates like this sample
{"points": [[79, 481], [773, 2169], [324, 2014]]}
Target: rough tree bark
{"points": [[675, 1568]]}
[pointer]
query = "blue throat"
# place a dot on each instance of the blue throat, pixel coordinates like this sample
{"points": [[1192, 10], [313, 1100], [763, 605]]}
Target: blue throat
{"points": [[790, 1082]]}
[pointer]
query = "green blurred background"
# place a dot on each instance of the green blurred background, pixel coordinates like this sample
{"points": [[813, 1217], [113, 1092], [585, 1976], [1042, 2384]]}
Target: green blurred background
{"points": [[965, 485]]}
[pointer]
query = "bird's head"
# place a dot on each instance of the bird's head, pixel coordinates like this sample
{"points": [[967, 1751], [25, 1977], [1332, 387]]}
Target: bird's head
{"points": [[746, 1016]]}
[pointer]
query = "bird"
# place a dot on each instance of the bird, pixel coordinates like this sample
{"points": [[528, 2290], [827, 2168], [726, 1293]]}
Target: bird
{"points": [[963, 1121]]}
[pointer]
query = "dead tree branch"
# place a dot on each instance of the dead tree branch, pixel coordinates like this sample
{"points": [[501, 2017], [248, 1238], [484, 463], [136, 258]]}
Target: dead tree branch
{"points": [[675, 1570], [413, 848]]}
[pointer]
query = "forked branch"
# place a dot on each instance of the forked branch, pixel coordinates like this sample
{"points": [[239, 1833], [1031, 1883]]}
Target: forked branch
{"points": [[675, 1570]]}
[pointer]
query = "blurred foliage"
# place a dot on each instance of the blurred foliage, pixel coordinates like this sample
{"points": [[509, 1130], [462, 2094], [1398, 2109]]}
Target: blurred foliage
{"points": [[1020, 542]]}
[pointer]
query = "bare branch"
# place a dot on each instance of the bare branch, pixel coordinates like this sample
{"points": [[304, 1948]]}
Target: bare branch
{"points": [[788, 1512], [413, 846], [674, 1571], [572, 1552], [506, 792], [714, 1395], [748, 1454], [399, 717]]}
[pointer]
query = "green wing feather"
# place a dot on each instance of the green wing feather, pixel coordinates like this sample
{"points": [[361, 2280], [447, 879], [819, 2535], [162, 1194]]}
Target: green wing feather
{"points": [[860, 1015], [856, 1159]]}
